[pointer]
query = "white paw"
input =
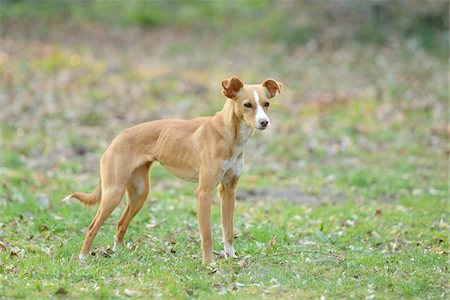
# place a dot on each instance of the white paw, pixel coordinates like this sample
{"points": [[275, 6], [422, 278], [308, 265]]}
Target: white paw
{"points": [[229, 251], [116, 245], [80, 260], [82, 257]]}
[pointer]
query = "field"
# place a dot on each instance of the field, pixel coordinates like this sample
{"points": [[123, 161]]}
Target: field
{"points": [[344, 196]]}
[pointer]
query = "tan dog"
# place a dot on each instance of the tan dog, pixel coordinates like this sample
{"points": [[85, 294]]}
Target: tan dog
{"points": [[209, 150]]}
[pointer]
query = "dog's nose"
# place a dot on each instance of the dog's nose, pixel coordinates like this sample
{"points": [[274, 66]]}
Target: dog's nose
{"points": [[263, 123]]}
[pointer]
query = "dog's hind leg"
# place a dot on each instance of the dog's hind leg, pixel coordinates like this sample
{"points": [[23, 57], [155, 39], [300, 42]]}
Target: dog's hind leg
{"points": [[110, 199], [137, 192], [114, 179]]}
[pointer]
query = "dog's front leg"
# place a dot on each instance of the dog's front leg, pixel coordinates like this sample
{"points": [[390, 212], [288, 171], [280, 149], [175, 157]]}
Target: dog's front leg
{"points": [[209, 176], [227, 196]]}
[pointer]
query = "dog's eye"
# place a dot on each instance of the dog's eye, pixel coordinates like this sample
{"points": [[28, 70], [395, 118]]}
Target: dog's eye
{"points": [[248, 105], [266, 104]]}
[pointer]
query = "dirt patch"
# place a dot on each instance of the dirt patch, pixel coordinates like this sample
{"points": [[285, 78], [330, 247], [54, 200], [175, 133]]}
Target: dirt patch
{"points": [[289, 193]]}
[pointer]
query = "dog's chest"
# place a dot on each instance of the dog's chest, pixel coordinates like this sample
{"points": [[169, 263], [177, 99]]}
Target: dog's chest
{"points": [[235, 161], [235, 153]]}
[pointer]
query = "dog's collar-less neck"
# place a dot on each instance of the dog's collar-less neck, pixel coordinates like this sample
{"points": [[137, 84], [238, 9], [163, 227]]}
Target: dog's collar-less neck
{"points": [[235, 128]]}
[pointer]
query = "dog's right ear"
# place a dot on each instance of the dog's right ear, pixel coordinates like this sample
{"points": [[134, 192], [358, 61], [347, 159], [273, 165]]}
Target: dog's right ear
{"points": [[272, 87], [231, 87]]}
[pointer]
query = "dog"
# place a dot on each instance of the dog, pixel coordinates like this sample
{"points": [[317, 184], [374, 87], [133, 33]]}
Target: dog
{"points": [[208, 150]]}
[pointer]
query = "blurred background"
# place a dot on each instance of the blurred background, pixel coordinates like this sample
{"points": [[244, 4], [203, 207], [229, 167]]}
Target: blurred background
{"points": [[363, 113]]}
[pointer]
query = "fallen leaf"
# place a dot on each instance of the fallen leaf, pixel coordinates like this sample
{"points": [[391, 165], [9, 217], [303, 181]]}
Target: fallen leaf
{"points": [[271, 244], [151, 225], [244, 262], [57, 218], [43, 228], [213, 271], [105, 252], [307, 242], [132, 293], [220, 254], [212, 267], [132, 247], [61, 291], [15, 252]]}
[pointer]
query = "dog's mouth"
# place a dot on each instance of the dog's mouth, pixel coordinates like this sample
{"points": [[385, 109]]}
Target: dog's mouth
{"points": [[261, 128]]}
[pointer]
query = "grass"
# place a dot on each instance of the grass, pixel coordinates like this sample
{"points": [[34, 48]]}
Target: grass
{"points": [[350, 249], [367, 245], [344, 196]]}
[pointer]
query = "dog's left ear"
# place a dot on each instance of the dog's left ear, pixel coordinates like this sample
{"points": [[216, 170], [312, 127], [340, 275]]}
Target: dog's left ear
{"points": [[272, 87], [231, 87]]}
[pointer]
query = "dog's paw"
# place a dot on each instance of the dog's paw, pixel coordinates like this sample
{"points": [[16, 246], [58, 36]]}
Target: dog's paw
{"points": [[229, 251], [80, 260], [116, 246], [208, 261]]}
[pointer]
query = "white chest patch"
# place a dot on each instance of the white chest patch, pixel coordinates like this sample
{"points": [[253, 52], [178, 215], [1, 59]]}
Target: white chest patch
{"points": [[236, 162], [238, 167]]}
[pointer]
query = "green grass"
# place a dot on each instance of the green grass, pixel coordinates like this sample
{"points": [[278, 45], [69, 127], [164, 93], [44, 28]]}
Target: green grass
{"points": [[387, 237], [286, 250], [344, 196]]}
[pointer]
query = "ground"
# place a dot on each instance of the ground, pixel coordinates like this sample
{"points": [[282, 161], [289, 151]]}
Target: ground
{"points": [[344, 196]]}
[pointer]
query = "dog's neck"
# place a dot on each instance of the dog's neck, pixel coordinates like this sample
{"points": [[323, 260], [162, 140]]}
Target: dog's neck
{"points": [[234, 128]]}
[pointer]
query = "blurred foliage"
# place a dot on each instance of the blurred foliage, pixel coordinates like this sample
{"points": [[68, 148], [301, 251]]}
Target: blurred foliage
{"points": [[294, 23]]}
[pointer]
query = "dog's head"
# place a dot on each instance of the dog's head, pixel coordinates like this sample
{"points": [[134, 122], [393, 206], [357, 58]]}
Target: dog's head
{"points": [[251, 102]]}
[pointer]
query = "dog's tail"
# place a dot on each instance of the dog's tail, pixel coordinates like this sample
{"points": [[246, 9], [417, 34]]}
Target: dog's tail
{"points": [[87, 199]]}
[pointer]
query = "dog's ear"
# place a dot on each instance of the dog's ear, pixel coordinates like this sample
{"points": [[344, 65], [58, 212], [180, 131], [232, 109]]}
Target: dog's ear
{"points": [[231, 87], [272, 87]]}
